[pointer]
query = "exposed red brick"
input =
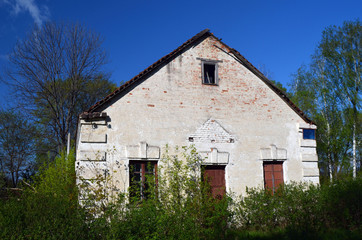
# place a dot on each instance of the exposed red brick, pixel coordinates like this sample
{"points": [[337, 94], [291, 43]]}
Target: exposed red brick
{"points": [[150, 105]]}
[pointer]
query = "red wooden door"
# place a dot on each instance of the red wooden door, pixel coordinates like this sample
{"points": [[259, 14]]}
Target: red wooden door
{"points": [[273, 175], [215, 175]]}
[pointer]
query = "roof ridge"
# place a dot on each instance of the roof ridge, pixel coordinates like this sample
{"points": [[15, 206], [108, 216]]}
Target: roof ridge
{"points": [[259, 74], [149, 69], [177, 51]]}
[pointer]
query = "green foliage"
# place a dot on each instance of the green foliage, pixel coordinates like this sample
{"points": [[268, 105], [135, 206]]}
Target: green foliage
{"points": [[343, 205], [298, 208], [57, 178], [49, 210], [41, 216], [280, 86], [293, 205], [329, 92], [180, 206]]}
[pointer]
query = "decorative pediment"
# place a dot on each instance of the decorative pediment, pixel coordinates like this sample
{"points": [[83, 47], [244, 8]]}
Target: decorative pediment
{"points": [[215, 157], [273, 153], [211, 131], [142, 151]]}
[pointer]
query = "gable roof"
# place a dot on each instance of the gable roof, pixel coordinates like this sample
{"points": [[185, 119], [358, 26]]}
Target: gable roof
{"points": [[185, 46]]}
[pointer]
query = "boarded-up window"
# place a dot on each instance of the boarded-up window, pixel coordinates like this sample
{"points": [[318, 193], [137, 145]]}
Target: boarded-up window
{"points": [[215, 176], [273, 175]]}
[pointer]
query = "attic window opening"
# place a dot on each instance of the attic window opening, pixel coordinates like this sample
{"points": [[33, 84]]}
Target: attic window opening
{"points": [[209, 73], [309, 134]]}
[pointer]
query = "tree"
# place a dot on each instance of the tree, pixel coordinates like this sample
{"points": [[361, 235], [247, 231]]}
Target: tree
{"points": [[16, 144], [268, 74], [56, 72], [329, 92], [342, 49]]}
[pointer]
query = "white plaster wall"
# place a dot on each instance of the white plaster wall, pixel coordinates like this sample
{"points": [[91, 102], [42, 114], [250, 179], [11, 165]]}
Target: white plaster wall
{"points": [[173, 103]]}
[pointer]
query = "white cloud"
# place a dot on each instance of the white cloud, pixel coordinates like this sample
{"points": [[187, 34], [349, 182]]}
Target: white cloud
{"points": [[38, 13]]}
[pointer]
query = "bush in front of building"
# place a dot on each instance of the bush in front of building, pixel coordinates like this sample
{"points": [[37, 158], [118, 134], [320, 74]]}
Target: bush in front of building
{"points": [[299, 207], [179, 206], [293, 205]]}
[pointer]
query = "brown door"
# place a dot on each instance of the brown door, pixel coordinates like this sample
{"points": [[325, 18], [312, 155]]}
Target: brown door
{"points": [[215, 175], [273, 175]]}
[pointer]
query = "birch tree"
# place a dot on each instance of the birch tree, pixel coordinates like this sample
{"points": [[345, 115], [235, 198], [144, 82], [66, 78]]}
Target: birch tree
{"points": [[329, 90], [312, 93], [342, 49]]}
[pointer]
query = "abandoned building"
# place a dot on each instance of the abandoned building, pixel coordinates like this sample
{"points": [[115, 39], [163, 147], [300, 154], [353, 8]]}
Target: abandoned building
{"points": [[205, 94]]}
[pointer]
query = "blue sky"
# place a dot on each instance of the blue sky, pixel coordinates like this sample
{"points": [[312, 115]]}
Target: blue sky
{"points": [[277, 35]]}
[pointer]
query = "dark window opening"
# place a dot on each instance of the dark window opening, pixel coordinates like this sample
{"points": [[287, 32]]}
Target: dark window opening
{"points": [[142, 178], [309, 134], [209, 73], [273, 175]]}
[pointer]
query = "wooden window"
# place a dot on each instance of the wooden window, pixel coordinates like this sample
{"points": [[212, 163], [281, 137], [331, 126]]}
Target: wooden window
{"points": [[141, 175], [273, 175], [308, 133], [209, 73], [215, 176]]}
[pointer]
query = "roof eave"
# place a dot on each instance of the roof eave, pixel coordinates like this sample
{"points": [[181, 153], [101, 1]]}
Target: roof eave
{"points": [[162, 61]]}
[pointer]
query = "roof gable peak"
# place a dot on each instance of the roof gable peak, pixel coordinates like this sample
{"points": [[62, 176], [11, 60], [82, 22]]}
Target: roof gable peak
{"points": [[186, 45]]}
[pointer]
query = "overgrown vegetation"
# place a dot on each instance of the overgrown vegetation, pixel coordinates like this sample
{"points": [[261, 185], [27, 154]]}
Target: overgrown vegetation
{"points": [[177, 204], [180, 206]]}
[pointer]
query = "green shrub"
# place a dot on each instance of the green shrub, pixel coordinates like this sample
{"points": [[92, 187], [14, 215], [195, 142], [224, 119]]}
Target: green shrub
{"points": [[342, 202], [179, 206], [293, 205], [299, 208], [49, 210], [57, 178]]}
